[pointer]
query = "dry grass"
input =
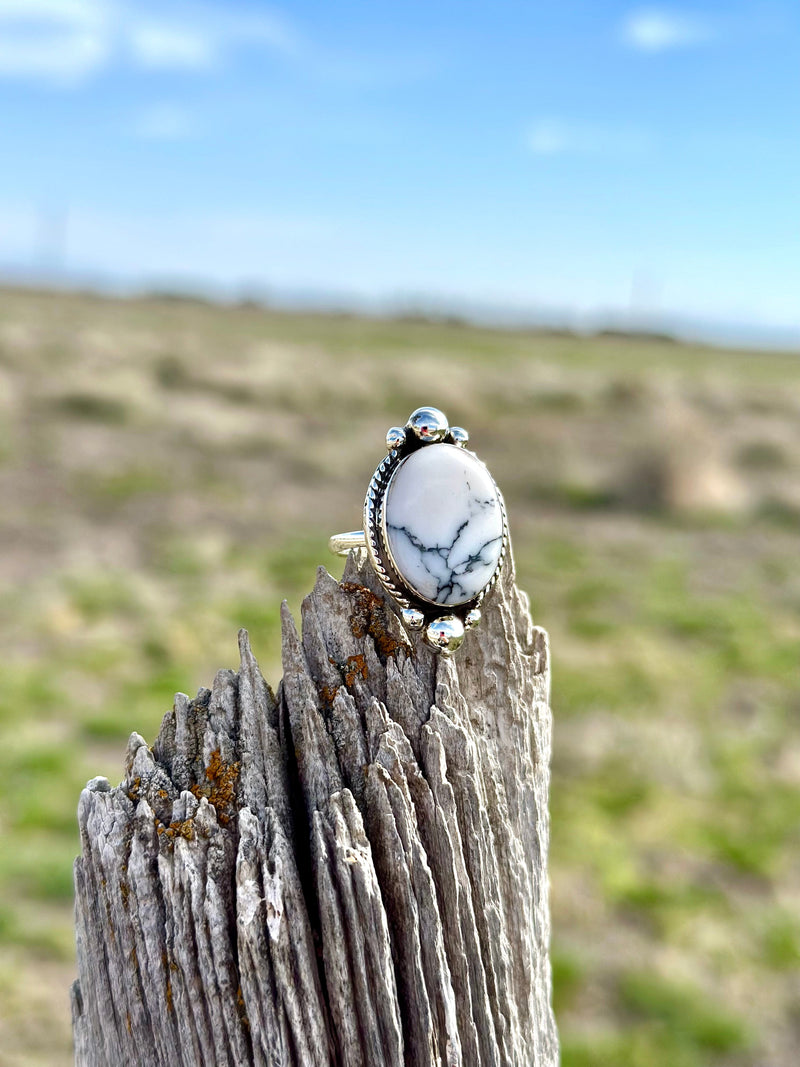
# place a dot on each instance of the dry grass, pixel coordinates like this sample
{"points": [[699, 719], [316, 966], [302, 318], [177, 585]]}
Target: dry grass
{"points": [[169, 471]]}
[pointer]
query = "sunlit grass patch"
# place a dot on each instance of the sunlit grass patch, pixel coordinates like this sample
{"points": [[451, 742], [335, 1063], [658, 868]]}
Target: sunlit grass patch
{"points": [[781, 941], [38, 863], [684, 1014], [755, 830], [568, 973], [118, 486]]}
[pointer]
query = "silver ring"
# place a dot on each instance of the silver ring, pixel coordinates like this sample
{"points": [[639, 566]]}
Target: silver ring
{"points": [[435, 528], [341, 544]]}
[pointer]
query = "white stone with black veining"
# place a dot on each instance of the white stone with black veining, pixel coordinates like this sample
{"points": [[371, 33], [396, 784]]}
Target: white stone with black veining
{"points": [[444, 524]]}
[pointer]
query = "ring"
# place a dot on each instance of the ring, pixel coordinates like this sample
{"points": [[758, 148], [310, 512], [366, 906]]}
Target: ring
{"points": [[435, 528]]}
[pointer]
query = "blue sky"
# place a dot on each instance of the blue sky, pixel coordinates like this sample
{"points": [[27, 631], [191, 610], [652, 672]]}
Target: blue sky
{"points": [[585, 158]]}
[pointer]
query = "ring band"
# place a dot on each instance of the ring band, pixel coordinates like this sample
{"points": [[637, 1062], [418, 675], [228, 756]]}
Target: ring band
{"points": [[341, 544], [435, 528]]}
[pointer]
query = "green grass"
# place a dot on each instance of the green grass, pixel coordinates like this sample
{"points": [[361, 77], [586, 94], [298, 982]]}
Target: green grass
{"points": [[683, 1014], [146, 523]]}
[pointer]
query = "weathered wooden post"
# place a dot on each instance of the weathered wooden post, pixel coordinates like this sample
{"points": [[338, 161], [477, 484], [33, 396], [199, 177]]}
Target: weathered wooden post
{"points": [[352, 872]]}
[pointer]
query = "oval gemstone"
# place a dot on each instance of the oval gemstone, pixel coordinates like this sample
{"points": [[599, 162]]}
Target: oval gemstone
{"points": [[444, 524]]}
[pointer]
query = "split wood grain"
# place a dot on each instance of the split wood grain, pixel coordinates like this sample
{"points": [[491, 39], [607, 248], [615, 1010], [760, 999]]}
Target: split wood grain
{"points": [[349, 873]]}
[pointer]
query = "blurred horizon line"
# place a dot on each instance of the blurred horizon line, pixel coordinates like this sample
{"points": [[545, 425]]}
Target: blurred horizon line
{"points": [[444, 310]]}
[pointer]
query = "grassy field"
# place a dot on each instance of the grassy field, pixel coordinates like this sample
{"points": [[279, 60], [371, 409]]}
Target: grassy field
{"points": [[171, 470]]}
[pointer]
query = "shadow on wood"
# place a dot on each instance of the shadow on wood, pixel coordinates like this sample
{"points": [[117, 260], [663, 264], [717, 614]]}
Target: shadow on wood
{"points": [[351, 873]]}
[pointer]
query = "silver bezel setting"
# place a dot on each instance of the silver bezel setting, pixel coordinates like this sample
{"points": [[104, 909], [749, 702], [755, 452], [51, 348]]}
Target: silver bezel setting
{"points": [[412, 605]]}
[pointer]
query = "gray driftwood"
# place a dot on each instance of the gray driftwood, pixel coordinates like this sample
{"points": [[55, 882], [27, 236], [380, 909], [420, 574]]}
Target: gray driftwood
{"points": [[352, 872]]}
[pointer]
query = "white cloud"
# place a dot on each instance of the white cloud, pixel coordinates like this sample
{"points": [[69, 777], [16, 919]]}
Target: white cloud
{"points": [[165, 122], [197, 35], [65, 41], [174, 46], [659, 29], [59, 40], [554, 137]]}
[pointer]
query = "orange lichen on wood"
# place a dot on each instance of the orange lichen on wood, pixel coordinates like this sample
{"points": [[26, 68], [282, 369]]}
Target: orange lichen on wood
{"points": [[327, 694], [370, 617], [220, 790], [352, 668], [242, 1008], [180, 828], [169, 965], [356, 666]]}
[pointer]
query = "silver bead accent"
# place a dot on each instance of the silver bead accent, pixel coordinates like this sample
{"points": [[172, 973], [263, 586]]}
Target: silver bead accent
{"points": [[459, 435], [395, 437], [429, 424], [413, 619], [472, 618], [445, 634]]}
